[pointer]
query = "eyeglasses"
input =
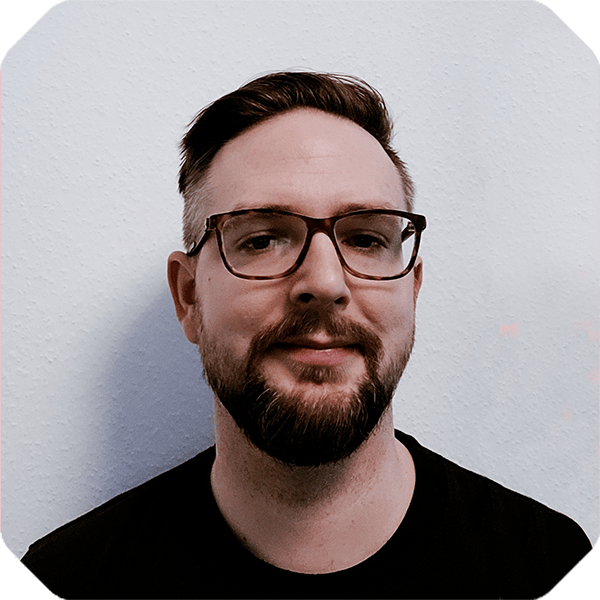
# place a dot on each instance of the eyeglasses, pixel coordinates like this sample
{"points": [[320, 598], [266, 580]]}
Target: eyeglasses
{"points": [[270, 244]]}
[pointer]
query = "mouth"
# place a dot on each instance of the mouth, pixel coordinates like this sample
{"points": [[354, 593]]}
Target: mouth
{"points": [[326, 353]]}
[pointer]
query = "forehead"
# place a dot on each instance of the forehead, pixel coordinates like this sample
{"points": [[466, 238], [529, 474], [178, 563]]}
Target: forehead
{"points": [[306, 161]]}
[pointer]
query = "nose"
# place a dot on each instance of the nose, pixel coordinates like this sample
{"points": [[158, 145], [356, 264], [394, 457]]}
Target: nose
{"points": [[321, 280]]}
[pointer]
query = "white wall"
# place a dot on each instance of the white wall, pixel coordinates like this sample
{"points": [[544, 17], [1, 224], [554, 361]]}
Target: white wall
{"points": [[496, 109]]}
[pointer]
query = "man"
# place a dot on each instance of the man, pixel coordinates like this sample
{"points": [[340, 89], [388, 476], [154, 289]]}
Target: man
{"points": [[299, 288]]}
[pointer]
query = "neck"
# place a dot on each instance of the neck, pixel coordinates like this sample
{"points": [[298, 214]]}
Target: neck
{"points": [[312, 519]]}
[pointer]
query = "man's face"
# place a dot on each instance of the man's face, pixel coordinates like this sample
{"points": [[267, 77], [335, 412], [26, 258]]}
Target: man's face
{"points": [[316, 354]]}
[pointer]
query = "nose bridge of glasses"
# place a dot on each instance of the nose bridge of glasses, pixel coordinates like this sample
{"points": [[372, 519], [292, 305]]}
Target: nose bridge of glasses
{"points": [[320, 261], [319, 226], [324, 226]]}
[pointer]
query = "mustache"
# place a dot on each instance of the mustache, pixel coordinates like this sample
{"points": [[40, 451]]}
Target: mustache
{"points": [[306, 322]]}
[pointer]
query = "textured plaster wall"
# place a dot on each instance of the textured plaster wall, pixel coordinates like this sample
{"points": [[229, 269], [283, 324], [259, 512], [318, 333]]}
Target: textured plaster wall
{"points": [[496, 111]]}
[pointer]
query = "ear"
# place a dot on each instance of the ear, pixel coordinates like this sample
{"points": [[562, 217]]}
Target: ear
{"points": [[181, 272], [417, 277]]}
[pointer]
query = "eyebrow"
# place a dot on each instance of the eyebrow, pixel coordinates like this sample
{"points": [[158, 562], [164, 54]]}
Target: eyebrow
{"points": [[352, 207], [355, 206]]}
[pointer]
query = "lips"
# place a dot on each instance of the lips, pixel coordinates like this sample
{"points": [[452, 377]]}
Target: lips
{"points": [[319, 353]]}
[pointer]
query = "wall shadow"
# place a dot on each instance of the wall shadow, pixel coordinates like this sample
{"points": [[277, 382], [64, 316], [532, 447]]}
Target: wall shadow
{"points": [[160, 408]]}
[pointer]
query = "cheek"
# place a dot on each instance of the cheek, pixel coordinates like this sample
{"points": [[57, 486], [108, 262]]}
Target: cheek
{"points": [[391, 313], [235, 310], [226, 311], [386, 297]]}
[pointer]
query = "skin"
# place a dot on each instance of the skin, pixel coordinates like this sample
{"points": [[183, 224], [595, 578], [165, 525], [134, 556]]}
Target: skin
{"points": [[309, 520]]}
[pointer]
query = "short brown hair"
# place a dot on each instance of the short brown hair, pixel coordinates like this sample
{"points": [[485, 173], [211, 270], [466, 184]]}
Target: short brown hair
{"points": [[266, 97]]}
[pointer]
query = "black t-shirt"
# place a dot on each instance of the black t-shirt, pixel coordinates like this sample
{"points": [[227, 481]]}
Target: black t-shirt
{"points": [[463, 536]]}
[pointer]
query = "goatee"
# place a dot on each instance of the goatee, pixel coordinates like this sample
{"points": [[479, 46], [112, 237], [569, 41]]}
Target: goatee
{"points": [[329, 427]]}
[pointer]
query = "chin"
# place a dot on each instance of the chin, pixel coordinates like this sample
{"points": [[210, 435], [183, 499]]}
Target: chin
{"points": [[298, 377], [313, 425]]}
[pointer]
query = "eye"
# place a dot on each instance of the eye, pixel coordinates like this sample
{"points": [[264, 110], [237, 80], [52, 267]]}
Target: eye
{"points": [[256, 243], [363, 241], [259, 242]]}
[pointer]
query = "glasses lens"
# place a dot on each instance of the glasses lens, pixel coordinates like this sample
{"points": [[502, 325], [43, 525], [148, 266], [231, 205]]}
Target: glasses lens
{"points": [[262, 244], [375, 244]]}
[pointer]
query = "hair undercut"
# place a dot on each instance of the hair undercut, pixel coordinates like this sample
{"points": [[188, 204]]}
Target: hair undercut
{"points": [[261, 99]]}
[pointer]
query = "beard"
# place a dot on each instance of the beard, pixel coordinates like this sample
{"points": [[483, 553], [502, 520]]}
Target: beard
{"points": [[305, 428]]}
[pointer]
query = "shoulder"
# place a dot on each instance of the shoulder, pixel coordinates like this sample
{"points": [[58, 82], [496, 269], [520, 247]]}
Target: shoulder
{"points": [[121, 529], [510, 537]]}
